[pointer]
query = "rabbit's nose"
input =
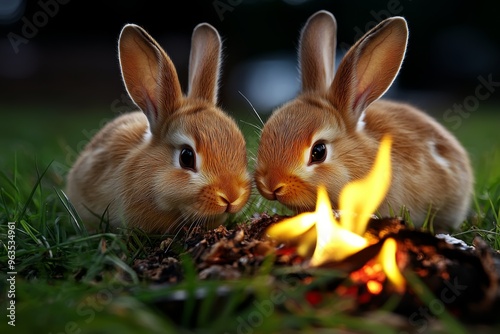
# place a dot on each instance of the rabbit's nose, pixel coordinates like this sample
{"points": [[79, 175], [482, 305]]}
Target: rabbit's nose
{"points": [[273, 193], [232, 203], [222, 199], [279, 189], [265, 189]]}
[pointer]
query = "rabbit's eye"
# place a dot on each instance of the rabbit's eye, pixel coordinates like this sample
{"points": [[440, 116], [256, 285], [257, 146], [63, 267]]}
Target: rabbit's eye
{"points": [[318, 153], [187, 158]]}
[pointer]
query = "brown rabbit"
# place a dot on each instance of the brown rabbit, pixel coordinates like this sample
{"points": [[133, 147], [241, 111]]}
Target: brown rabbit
{"points": [[330, 133], [179, 160]]}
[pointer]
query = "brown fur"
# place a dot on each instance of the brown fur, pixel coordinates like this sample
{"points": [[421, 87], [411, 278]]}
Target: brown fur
{"points": [[137, 176], [430, 169]]}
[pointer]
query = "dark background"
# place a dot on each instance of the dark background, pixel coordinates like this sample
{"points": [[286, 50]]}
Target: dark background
{"points": [[71, 59]]}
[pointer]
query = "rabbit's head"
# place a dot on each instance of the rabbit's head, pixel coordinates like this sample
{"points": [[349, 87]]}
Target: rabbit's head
{"points": [[194, 159], [314, 138]]}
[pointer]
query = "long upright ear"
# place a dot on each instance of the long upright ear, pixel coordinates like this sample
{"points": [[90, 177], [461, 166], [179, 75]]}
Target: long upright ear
{"points": [[318, 41], [369, 68], [149, 75], [204, 63]]}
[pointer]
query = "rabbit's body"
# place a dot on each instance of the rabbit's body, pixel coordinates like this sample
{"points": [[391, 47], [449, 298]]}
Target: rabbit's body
{"points": [[95, 177], [331, 132], [180, 160]]}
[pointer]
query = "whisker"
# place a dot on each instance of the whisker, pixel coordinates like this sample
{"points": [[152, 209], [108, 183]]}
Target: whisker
{"points": [[192, 226], [178, 224], [252, 125], [251, 106]]}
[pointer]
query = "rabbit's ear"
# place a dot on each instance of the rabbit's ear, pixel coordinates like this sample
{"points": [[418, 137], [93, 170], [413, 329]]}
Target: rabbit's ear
{"points": [[204, 63], [149, 75], [369, 68], [317, 51]]}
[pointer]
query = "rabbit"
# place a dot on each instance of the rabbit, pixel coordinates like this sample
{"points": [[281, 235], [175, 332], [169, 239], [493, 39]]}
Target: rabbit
{"points": [[179, 160], [330, 133]]}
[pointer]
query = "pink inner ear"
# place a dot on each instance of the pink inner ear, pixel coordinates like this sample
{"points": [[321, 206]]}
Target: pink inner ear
{"points": [[361, 101], [151, 109]]}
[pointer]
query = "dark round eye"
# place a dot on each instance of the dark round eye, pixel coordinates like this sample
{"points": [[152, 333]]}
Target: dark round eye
{"points": [[187, 158], [318, 153]]}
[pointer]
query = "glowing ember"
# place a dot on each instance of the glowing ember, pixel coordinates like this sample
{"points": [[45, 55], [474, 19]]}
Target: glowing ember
{"points": [[375, 287], [334, 241]]}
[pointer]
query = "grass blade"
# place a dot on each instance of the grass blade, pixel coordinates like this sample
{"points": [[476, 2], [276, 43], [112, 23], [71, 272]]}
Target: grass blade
{"points": [[74, 217], [33, 190]]}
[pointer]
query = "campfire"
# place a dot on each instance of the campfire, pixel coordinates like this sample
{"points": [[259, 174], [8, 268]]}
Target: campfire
{"points": [[376, 261], [336, 239], [380, 256]]}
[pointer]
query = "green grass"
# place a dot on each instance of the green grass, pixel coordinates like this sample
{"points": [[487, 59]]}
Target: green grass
{"points": [[71, 282], [479, 134]]}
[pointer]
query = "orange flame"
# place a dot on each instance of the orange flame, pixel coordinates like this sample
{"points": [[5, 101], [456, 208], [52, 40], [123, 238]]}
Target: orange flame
{"points": [[335, 240]]}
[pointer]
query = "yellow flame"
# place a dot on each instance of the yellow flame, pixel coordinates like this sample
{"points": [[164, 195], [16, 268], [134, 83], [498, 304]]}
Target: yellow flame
{"points": [[333, 243], [387, 258], [297, 227], [359, 199]]}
